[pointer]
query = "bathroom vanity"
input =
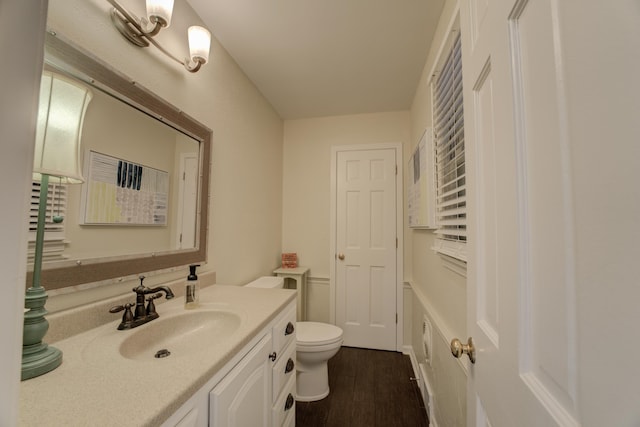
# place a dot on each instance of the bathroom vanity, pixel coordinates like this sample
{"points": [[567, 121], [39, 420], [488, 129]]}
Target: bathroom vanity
{"points": [[259, 390], [231, 362]]}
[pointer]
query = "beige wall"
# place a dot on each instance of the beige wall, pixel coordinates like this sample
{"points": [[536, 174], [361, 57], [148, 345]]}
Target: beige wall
{"points": [[306, 189], [246, 174], [438, 292], [445, 289], [306, 176]]}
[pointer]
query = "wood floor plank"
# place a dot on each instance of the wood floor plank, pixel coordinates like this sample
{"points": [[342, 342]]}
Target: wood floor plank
{"points": [[369, 388]]}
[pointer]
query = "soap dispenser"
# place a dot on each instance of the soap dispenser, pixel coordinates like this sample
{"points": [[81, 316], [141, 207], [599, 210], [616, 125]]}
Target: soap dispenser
{"points": [[192, 291]]}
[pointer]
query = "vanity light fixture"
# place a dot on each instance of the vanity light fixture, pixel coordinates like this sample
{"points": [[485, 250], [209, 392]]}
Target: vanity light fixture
{"points": [[141, 31], [63, 103]]}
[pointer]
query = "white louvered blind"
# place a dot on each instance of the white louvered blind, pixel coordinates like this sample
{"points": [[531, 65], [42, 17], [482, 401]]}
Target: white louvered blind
{"points": [[54, 236], [451, 205]]}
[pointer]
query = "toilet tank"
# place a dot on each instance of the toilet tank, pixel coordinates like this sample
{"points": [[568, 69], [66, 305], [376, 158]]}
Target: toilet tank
{"points": [[272, 282]]}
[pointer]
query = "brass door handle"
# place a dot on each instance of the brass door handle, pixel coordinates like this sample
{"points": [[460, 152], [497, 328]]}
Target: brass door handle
{"points": [[341, 256], [458, 349]]}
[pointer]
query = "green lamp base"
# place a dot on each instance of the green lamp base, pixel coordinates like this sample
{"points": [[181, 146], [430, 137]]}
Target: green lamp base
{"points": [[37, 356], [38, 359]]}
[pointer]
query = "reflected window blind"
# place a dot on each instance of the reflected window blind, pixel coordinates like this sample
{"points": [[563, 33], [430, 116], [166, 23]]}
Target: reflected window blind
{"points": [[451, 205], [54, 236]]}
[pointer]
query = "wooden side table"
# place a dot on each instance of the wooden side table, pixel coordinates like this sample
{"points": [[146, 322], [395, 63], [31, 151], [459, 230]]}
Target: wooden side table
{"points": [[299, 274]]}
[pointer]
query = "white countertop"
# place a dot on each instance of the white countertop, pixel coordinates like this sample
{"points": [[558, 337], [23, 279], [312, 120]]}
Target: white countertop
{"points": [[103, 388]]}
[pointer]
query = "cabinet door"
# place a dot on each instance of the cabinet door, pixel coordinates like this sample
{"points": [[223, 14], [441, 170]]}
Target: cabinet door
{"points": [[243, 397], [189, 420]]}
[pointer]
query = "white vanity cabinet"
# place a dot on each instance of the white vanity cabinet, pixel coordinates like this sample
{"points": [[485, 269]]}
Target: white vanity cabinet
{"points": [[255, 389], [242, 398], [260, 390]]}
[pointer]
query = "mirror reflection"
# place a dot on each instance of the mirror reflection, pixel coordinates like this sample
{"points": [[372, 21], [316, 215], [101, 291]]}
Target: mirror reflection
{"points": [[143, 206], [140, 189]]}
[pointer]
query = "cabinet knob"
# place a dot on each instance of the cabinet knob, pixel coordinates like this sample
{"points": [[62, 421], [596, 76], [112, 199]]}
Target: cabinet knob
{"points": [[289, 403], [289, 329], [273, 356], [289, 367]]}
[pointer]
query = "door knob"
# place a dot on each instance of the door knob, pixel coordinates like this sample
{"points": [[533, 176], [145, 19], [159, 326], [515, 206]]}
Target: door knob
{"points": [[458, 349], [340, 256]]}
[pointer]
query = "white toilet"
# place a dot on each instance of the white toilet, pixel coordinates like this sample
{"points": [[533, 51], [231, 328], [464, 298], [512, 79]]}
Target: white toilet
{"points": [[316, 343]]}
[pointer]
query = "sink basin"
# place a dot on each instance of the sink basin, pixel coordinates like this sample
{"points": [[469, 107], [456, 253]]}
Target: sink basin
{"points": [[180, 334]]}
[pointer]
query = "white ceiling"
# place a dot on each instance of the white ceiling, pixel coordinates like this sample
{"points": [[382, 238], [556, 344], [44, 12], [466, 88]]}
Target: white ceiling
{"points": [[313, 58]]}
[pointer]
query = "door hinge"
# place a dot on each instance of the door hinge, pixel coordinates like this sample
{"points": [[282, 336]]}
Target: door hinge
{"points": [[396, 318], [396, 169], [184, 175], [396, 243]]}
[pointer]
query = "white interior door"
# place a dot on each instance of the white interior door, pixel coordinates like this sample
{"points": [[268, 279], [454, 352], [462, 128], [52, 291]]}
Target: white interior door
{"points": [[365, 247], [542, 161], [187, 201]]}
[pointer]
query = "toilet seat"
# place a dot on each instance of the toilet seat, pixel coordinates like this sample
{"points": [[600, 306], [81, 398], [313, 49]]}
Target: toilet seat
{"points": [[310, 334]]}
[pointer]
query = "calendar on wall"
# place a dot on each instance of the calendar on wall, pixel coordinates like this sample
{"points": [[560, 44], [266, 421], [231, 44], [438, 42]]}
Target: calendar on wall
{"points": [[421, 186], [120, 192]]}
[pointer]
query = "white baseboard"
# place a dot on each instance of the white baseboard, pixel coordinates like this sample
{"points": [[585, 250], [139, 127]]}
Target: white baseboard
{"points": [[423, 383], [408, 350]]}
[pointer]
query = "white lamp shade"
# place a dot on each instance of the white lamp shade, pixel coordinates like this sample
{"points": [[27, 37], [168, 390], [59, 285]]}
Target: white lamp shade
{"points": [[199, 43], [160, 8], [63, 103]]}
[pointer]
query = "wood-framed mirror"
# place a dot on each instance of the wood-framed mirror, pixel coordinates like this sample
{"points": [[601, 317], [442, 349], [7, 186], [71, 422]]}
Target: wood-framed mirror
{"points": [[163, 140]]}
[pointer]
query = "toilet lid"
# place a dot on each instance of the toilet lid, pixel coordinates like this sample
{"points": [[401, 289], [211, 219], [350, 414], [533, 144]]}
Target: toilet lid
{"points": [[315, 333]]}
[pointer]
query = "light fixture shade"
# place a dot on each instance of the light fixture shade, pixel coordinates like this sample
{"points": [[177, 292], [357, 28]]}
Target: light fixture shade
{"points": [[162, 9], [63, 103], [199, 43]]}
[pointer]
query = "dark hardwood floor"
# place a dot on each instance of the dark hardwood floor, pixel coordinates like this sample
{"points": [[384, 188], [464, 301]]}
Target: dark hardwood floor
{"points": [[369, 388]]}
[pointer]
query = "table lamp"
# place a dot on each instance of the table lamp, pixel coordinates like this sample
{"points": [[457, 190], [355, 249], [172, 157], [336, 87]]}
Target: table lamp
{"points": [[63, 103]]}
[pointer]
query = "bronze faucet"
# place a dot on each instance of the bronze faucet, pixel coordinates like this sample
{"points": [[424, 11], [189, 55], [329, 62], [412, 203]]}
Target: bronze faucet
{"points": [[141, 314]]}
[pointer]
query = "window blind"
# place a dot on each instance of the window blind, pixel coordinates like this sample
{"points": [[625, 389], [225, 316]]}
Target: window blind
{"points": [[54, 235], [451, 205]]}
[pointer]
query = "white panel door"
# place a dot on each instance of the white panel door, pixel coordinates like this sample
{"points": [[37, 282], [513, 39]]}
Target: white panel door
{"points": [[529, 293], [366, 247], [521, 299], [188, 201]]}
